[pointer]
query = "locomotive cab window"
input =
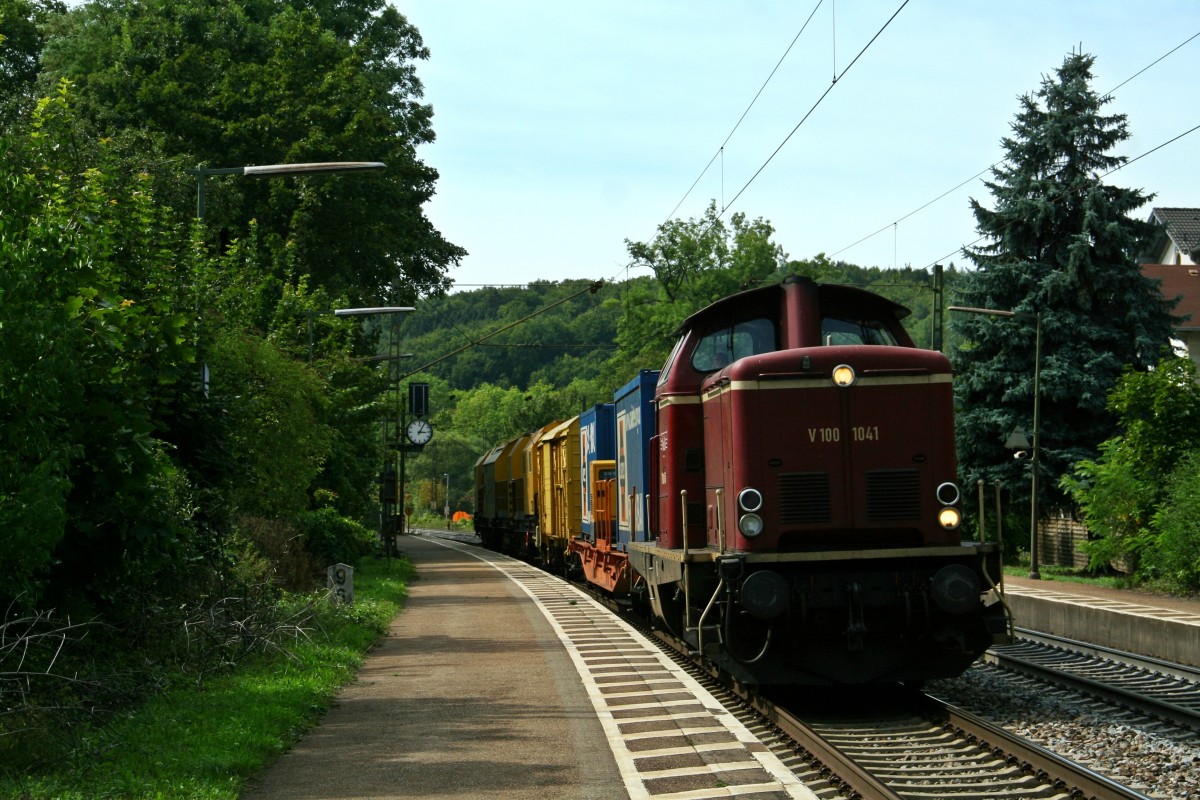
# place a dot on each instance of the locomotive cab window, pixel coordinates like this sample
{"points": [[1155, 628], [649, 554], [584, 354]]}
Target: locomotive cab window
{"points": [[666, 370], [845, 330], [723, 346]]}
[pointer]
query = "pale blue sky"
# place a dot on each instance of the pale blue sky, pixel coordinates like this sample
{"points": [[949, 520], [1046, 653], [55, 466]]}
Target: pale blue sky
{"points": [[564, 128]]}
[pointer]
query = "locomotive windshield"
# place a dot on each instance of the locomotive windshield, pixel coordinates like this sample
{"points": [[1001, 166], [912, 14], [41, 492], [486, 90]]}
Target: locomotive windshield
{"points": [[843, 330], [728, 344]]}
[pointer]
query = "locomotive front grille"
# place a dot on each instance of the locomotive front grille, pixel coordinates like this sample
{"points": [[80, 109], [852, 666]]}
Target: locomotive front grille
{"points": [[804, 498], [893, 494]]}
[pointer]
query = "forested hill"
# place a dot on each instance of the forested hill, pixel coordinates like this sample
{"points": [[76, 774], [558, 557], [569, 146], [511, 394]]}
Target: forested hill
{"points": [[548, 332], [557, 332]]}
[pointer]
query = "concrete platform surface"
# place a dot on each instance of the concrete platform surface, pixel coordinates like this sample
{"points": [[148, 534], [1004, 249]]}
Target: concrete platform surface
{"points": [[1154, 625], [499, 681], [470, 695]]}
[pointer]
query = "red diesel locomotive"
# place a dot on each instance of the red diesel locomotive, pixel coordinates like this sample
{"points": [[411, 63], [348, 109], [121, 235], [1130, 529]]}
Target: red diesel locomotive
{"points": [[800, 505]]}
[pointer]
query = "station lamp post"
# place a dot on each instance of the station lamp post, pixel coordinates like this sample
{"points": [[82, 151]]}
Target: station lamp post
{"points": [[387, 516], [350, 312], [274, 171], [277, 171], [1034, 443]]}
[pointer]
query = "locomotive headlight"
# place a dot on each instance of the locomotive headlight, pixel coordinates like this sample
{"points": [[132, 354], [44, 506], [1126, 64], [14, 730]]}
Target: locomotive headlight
{"points": [[948, 494], [750, 525], [750, 499], [843, 375]]}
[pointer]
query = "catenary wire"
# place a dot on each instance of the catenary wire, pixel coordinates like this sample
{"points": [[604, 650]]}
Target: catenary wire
{"points": [[738, 124], [819, 101], [996, 164], [836, 78], [1117, 168]]}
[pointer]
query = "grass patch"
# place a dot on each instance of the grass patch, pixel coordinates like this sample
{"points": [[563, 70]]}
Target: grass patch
{"points": [[202, 744], [1070, 575]]}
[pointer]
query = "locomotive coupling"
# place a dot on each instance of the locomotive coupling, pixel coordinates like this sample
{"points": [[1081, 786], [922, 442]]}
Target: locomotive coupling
{"points": [[730, 568]]}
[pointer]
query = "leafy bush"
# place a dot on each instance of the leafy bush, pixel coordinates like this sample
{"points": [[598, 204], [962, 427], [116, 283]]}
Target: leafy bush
{"points": [[330, 538], [277, 442], [1116, 503], [98, 357], [274, 550], [1175, 560], [1158, 414]]}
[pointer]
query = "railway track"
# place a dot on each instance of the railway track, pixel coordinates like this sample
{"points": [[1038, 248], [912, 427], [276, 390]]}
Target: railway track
{"points": [[902, 745], [906, 745], [1148, 686], [932, 749]]}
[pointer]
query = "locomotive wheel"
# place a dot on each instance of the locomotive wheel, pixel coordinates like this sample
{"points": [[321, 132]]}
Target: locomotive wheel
{"points": [[670, 609]]}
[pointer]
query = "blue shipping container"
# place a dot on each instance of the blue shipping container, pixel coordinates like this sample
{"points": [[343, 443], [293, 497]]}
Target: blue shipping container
{"points": [[635, 425], [597, 442]]}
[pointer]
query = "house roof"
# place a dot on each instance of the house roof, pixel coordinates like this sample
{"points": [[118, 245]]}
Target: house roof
{"points": [[1180, 225], [1182, 281]]}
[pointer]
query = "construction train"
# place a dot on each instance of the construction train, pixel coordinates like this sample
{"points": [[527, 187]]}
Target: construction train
{"points": [[780, 498]]}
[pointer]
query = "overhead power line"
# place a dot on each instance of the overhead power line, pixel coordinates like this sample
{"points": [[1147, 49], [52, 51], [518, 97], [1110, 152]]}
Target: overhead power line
{"points": [[738, 124], [1117, 168], [836, 77], [996, 164], [820, 99]]}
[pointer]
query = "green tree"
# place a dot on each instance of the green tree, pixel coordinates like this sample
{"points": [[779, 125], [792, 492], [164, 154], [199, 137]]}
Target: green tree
{"points": [[22, 36], [226, 84], [1061, 244], [695, 263]]}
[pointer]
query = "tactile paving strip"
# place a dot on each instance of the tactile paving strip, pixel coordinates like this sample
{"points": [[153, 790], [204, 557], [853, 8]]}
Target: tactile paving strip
{"points": [[671, 739]]}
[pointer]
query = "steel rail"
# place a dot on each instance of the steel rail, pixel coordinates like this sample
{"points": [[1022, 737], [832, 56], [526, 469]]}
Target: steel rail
{"points": [[860, 783], [1139, 700], [1080, 781], [1184, 672]]}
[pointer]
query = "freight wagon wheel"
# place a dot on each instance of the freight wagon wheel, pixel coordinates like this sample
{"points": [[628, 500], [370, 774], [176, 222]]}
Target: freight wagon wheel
{"points": [[574, 568]]}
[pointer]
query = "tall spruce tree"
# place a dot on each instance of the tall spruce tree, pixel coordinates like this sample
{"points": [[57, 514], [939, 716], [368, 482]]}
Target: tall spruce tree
{"points": [[1061, 244]]}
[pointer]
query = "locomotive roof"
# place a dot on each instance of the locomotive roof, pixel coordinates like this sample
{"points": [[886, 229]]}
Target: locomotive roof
{"points": [[842, 294]]}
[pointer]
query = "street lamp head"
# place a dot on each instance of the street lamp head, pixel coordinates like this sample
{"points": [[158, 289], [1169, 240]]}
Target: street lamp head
{"points": [[375, 359], [319, 167], [994, 312], [359, 312], [274, 170]]}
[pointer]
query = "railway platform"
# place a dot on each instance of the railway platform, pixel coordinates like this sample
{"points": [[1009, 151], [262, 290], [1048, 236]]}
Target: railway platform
{"points": [[1166, 628], [500, 681]]}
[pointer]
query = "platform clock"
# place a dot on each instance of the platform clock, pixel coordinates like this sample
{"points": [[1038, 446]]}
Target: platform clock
{"points": [[419, 431]]}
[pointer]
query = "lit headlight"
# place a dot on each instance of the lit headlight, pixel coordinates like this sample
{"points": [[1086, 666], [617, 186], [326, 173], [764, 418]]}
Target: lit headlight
{"points": [[843, 375], [750, 525], [949, 517]]}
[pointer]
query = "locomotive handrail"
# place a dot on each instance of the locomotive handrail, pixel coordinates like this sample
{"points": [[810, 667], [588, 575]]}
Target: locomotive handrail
{"points": [[720, 522], [700, 626], [687, 595]]}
